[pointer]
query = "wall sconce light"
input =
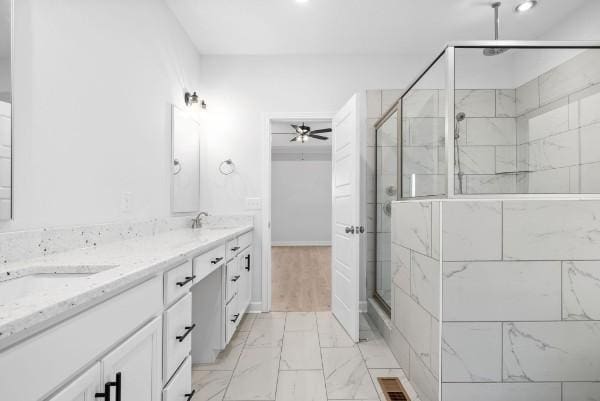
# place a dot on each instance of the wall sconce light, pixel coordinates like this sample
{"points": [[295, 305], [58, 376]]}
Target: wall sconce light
{"points": [[192, 98]]}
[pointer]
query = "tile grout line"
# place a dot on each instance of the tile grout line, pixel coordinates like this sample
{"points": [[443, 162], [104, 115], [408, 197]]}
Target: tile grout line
{"points": [[280, 353], [237, 361]]}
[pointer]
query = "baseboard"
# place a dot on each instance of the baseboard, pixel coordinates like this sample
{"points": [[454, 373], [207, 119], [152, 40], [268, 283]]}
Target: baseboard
{"points": [[254, 307], [300, 243]]}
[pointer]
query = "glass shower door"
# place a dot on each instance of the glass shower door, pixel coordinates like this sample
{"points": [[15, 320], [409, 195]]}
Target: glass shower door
{"points": [[387, 191]]}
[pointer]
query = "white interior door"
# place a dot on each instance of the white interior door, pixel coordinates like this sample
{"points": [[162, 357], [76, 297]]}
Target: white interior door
{"points": [[345, 279]]}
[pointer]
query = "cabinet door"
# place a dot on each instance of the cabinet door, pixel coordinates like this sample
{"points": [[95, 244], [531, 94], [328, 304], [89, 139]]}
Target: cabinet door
{"points": [[83, 388], [245, 286], [136, 365]]}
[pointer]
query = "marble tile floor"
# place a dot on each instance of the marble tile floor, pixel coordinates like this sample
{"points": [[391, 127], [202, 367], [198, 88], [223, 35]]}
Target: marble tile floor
{"points": [[297, 356]]}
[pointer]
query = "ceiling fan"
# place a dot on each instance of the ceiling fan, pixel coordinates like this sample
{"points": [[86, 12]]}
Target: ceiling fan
{"points": [[303, 133]]}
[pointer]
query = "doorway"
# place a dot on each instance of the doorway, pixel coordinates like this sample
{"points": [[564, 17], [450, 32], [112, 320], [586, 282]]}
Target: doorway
{"points": [[301, 204]]}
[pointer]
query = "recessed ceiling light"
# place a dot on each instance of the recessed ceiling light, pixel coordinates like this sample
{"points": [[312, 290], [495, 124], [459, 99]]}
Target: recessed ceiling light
{"points": [[525, 6], [301, 1]]}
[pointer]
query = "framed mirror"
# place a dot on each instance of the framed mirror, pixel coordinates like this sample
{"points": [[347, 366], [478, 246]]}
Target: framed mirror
{"points": [[185, 182], [6, 206]]}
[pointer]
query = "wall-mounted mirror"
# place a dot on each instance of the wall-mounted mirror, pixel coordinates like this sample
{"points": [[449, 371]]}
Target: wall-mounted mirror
{"points": [[5, 109], [185, 184]]}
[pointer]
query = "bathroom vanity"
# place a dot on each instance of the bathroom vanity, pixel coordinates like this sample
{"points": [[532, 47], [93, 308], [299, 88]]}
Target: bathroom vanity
{"points": [[123, 320]]}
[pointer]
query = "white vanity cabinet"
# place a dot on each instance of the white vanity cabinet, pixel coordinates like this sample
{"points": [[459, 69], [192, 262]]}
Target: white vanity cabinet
{"points": [[40, 365], [83, 388], [130, 372], [138, 344]]}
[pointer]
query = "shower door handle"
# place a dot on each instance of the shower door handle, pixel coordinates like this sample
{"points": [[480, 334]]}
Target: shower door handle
{"points": [[350, 230]]}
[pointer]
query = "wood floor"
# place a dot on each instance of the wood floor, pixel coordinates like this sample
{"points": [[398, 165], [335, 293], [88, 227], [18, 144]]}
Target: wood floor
{"points": [[301, 278]]}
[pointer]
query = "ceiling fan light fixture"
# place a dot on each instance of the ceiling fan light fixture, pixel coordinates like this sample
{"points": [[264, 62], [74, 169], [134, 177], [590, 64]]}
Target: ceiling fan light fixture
{"points": [[525, 6]]}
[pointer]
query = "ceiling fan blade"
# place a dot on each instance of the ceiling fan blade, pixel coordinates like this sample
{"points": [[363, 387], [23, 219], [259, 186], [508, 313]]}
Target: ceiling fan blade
{"points": [[323, 138], [296, 128], [294, 139], [321, 131]]}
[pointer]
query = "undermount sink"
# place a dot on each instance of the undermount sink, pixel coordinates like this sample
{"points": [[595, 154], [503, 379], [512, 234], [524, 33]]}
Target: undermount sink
{"points": [[35, 283]]}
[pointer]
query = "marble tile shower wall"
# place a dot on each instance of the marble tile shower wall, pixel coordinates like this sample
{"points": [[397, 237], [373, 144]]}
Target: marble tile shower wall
{"points": [[558, 126], [487, 142], [33, 243], [414, 338], [521, 297]]}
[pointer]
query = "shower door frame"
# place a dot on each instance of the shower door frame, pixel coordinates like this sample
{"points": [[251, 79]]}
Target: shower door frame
{"points": [[396, 107]]}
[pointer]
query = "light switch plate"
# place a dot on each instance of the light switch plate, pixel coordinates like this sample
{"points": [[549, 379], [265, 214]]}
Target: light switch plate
{"points": [[253, 204]]}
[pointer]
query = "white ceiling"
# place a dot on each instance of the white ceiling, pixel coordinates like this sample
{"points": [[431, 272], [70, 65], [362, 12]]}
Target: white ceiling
{"points": [[275, 27]]}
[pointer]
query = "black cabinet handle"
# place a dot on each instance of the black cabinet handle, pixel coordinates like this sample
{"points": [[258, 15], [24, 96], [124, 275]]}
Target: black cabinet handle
{"points": [[247, 262], [235, 248], [116, 384], [187, 280], [216, 260], [190, 395], [235, 318], [235, 278], [188, 330], [118, 387]]}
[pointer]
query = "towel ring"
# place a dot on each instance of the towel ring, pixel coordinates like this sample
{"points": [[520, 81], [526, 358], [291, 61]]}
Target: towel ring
{"points": [[178, 166], [227, 167]]}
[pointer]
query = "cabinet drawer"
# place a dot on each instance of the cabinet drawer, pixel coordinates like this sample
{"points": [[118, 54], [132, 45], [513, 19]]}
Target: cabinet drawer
{"points": [[208, 262], [177, 336], [178, 281], [62, 350], [232, 277], [232, 248], [180, 386], [232, 319], [245, 240]]}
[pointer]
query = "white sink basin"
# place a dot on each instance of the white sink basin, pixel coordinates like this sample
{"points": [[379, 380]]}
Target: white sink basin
{"points": [[14, 289], [35, 283]]}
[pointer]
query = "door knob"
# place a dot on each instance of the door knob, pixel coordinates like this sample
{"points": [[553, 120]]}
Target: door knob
{"points": [[350, 230], [360, 229]]}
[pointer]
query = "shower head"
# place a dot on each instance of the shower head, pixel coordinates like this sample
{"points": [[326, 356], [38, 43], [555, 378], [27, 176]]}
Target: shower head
{"points": [[494, 51], [460, 116]]}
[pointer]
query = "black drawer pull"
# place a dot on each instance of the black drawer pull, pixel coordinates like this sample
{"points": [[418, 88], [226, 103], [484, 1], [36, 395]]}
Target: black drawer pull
{"points": [[235, 278], [190, 395], [247, 262], [187, 280], [216, 260], [188, 330], [235, 318], [116, 384], [235, 248]]}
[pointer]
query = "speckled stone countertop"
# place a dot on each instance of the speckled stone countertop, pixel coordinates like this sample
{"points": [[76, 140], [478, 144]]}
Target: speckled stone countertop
{"points": [[115, 266]]}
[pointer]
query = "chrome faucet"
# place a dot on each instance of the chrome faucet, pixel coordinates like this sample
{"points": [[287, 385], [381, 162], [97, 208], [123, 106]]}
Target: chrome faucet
{"points": [[197, 221]]}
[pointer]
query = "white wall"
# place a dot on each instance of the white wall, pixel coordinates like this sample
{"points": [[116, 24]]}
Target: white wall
{"points": [[301, 202], [94, 81], [241, 89], [5, 79]]}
